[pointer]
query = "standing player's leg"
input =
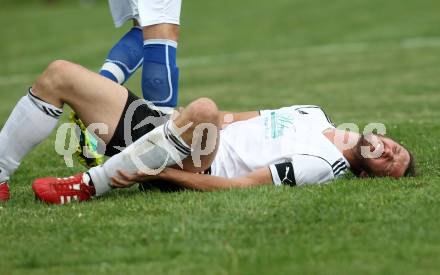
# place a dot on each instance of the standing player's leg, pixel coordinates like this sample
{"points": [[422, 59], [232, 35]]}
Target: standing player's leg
{"points": [[160, 21], [160, 74], [125, 57], [155, 46], [94, 98]]}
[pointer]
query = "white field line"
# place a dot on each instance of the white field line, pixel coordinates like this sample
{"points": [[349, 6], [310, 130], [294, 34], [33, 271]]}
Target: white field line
{"points": [[15, 79], [329, 49]]}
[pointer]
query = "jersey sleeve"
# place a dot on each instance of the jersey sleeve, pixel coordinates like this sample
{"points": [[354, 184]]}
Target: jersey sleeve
{"points": [[301, 170]]}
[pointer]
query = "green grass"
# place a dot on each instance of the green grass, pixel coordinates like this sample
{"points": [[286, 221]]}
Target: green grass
{"points": [[363, 61]]}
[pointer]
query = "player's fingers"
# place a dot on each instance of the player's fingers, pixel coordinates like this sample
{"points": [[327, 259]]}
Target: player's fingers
{"points": [[140, 173], [127, 176], [121, 183], [114, 183], [132, 179], [145, 177]]}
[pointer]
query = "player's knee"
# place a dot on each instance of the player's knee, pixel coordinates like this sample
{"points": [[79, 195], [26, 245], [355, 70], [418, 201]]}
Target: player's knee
{"points": [[162, 31], [204, 110], [57, 67], [55, 78]]}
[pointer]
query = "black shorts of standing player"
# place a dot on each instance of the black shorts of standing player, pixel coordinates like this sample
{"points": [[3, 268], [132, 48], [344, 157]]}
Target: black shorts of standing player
{"points": [[139, 112]]}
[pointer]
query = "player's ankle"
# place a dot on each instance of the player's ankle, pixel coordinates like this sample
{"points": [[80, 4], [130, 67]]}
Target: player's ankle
{"points": [[87, 180]]}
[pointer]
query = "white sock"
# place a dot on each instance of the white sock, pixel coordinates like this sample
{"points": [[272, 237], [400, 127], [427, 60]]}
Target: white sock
{"points": [[31, 121], [157, 149]]}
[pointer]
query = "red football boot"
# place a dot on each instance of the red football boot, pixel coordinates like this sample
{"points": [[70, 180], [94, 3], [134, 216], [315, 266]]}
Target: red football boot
{"points": [[4, 191], [64, 190]]}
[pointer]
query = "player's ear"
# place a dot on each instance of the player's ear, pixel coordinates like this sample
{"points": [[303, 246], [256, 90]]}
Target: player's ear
{"points": [[363, 174]]}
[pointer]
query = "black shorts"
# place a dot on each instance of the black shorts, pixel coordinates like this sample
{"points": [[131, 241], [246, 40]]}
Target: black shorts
{"points": [[135, 110]]}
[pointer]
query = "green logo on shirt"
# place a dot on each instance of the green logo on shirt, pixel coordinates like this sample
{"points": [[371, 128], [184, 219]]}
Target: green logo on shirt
{"points": [[278, 123]]}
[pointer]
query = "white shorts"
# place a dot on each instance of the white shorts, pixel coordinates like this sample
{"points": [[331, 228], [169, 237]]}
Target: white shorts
{"points": [[146, 12]]}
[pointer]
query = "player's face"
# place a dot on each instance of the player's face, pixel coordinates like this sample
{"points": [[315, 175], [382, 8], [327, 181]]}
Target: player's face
{"points": [[393, 160]]}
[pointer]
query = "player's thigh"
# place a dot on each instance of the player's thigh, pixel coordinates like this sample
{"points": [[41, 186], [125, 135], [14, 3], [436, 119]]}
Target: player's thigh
{"points": [[203, 155], [200, 119], [162, 31], [197, 164], [96, 99], [155, 12]]}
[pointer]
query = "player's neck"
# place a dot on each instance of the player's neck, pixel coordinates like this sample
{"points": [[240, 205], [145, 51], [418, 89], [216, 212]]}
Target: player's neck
{"points": [[346, 142]]}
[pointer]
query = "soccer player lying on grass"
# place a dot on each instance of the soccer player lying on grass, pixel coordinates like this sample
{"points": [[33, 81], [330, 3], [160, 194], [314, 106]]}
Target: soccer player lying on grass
{"points": [[295, 145]]}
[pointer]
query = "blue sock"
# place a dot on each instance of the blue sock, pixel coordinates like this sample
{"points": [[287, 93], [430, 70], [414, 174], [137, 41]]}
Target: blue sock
{"points": [[160, 75], [125, 57]]}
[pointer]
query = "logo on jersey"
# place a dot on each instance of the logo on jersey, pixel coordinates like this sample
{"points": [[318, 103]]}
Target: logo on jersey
{"points": [[277, 124], [286, 176], [285, 173]]}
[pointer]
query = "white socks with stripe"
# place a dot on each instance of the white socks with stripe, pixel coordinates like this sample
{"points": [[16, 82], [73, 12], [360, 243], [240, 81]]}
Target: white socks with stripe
{"points": [[160, 148], [31, 121]]}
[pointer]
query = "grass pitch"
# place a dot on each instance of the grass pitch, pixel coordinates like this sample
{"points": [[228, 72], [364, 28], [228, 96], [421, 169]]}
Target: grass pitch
{"points": [[363, 61]]}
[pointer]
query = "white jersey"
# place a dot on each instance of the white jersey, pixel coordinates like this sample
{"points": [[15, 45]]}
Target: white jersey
{"points": [[146, 12], [289, 141]]}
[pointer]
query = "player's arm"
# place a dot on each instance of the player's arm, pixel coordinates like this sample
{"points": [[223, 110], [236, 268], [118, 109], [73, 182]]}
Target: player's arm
{"points": [[302, 170], [227, 118], [199, 181], [212, 183]]}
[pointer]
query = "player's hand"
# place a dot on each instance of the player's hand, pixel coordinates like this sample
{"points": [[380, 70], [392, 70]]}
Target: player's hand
{"points": [[125, 180]]}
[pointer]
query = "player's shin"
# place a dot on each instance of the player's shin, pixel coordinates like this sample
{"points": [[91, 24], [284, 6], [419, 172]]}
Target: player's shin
{"points": [[160, 74], [159, 148], [125, 57], [31, 121]]}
